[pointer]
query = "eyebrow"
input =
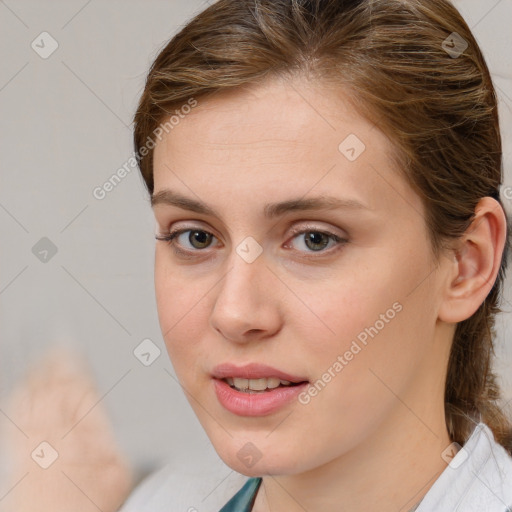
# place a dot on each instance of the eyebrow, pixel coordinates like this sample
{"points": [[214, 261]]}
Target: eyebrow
{"points": [[271, 210]]}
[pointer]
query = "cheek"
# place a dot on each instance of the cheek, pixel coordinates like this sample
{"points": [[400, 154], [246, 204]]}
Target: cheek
{"points": [[369, 318], [341, 309], [181, 304], [356, 366]]}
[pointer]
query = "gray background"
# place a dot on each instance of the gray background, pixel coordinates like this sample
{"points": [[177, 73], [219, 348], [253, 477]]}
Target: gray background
{"points": [[65, 128]]}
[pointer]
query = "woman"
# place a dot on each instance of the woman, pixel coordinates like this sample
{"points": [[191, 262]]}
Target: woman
{"points": [[331, 248]]}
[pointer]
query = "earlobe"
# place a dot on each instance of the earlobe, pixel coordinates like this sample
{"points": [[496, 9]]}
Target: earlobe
{"points": [[475, 263]]}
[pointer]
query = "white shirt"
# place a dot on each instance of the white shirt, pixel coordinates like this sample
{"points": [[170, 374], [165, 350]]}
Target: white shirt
{"points": [[478, 479]]}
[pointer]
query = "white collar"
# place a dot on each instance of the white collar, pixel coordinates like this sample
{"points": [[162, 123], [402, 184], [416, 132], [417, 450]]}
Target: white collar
{"points": [[478, 479]]}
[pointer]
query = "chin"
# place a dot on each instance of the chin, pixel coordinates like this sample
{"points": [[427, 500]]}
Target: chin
{"points": [[244, 457], [260, 468]]}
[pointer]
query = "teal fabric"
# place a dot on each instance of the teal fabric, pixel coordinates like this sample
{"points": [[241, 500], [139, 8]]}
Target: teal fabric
{"points": [[243, 500]]}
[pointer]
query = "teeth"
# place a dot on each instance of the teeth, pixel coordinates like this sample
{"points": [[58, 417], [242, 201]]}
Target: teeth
{"points": [[256, 384]]}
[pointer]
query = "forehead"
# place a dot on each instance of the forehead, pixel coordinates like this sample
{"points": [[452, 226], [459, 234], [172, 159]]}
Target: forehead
{"points": [[280, 112], [279, 138]]}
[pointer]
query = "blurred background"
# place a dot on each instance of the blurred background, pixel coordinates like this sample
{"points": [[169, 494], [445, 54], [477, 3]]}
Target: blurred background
{"points": [[77, 261]]}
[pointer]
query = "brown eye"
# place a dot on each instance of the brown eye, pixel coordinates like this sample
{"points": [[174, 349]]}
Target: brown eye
{"points": [[310, 240], [201, 238], [315, 240], [197, 239]]}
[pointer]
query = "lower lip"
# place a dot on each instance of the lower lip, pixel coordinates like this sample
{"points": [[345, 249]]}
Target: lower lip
{"points": [[255, 404]]}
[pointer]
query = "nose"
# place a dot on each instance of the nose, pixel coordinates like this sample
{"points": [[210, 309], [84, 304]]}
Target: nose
{"points": [[246, 306]]}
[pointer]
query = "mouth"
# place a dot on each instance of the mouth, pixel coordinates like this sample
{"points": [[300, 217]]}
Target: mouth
{"points": [[257, 396], [255, 377], [262, 385]]}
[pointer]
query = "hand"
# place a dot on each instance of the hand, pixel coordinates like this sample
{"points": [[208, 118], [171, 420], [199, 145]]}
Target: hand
{"points": [[57, 421]]}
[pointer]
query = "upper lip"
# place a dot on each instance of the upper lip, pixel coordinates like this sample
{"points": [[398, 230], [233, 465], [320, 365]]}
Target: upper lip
{"points": [[253, 371]]}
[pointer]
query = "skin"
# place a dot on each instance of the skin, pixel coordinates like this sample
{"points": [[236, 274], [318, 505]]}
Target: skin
{"points": [[58, 403], [373, 437]]}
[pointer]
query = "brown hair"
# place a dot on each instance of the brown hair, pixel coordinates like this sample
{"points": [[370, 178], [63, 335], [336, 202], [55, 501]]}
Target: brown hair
{"points": [[438, 108]]}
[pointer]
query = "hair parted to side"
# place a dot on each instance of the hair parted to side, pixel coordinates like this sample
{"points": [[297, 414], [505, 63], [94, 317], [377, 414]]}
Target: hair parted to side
{"points": [[439, 112]]}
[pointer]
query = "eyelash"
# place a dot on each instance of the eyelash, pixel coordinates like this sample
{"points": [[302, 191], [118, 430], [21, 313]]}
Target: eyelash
{"points": [[170, 239]]}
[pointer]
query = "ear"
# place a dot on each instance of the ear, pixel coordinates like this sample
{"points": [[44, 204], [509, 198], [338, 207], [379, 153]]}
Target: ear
{"points": [[476, 262]]}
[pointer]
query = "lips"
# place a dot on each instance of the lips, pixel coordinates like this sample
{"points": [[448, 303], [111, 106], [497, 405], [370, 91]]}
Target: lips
{"points": [[256, 403], [254, 371]]}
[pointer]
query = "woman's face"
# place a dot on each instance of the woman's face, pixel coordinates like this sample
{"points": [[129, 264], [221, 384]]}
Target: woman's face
{"points": [[343, 296]]}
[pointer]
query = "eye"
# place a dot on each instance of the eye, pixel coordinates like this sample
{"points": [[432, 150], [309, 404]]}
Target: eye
{"points": [[315, 240], [197, 239]]}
